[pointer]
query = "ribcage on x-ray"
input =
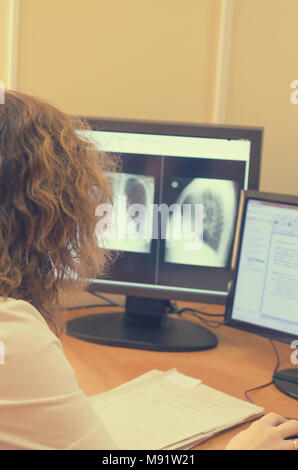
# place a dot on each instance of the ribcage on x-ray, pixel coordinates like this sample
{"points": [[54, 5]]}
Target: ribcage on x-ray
{"points": [[218, 198], [213, 220], [135, 192]]}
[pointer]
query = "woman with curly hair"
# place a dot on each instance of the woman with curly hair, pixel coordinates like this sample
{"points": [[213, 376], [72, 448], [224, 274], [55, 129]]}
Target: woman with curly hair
{"points": [[51, 181]]}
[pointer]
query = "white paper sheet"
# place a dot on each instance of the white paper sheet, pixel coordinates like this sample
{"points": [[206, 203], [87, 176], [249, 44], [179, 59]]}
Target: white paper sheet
{"points": [[162, 409]]}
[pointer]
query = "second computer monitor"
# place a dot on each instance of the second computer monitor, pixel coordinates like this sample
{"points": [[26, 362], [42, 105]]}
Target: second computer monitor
{"points": [[263, 297], [264, 294]]}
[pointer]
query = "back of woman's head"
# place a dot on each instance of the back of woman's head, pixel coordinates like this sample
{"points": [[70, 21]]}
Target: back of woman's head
{"points": [[51, 181]]}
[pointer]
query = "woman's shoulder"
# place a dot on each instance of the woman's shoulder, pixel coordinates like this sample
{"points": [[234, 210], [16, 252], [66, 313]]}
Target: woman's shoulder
{"points": [[23, 326], [41, 403], [12, 309], [33, 354]]}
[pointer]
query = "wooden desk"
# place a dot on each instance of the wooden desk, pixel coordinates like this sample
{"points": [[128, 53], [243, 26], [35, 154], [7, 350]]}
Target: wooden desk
{"points": [[240, 362]]}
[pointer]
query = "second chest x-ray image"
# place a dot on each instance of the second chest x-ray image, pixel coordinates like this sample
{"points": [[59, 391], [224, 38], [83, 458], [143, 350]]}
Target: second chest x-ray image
{"points": [[218, 199]]}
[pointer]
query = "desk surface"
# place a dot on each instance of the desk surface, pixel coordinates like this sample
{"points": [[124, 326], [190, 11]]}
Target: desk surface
{"points": [[241, 361]]}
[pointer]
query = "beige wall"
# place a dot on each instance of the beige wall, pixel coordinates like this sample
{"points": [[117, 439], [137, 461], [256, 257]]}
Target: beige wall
{"points": [[157, 60], [4, 32], [130, 59], [263, 65]]}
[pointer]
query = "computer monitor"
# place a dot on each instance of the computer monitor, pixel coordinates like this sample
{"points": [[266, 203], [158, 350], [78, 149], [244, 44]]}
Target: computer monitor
{"points": [[166, 165], [263, 297]]}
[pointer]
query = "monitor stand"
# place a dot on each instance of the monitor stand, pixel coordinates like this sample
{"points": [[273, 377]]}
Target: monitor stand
{"points": [[144, 325], [287, 382]]}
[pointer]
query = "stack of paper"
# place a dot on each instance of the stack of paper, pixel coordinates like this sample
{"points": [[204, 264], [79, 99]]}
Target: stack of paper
{"points": [[168, 410]]}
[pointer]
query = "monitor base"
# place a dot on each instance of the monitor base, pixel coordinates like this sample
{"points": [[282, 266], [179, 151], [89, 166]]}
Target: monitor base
{"points": [[287, 382], [172, 335]]}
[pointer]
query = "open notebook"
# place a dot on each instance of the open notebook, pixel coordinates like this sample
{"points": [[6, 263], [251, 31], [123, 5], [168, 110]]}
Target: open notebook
{"points": [[168, 410]]}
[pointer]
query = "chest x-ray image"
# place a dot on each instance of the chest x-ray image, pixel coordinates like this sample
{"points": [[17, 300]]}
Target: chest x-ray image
{"points": [[218, 200], [132, 226]]}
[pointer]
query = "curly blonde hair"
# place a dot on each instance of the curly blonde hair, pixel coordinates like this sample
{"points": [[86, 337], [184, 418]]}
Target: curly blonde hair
{"points": [[51, 181]]}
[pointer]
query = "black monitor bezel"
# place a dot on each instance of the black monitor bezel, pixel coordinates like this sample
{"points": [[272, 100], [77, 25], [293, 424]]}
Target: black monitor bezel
{"points": [[228, 319], [253, 134], [231, 132]]}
